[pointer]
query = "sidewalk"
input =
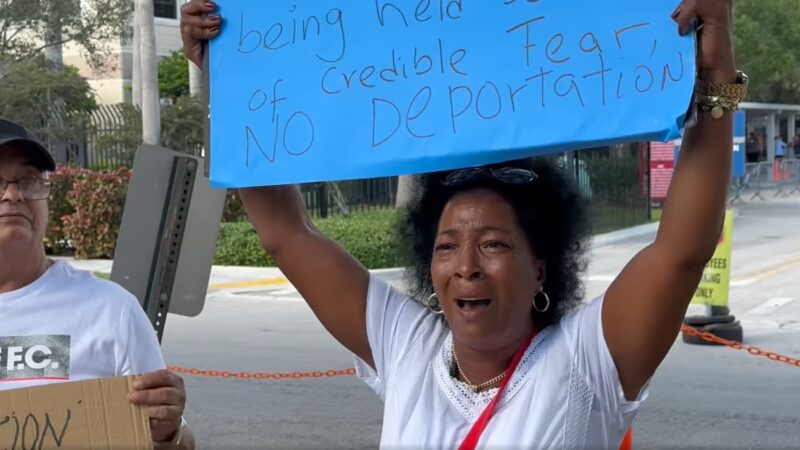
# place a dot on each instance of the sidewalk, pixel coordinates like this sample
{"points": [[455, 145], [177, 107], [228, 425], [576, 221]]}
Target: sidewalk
{"points": [[219, 274]]}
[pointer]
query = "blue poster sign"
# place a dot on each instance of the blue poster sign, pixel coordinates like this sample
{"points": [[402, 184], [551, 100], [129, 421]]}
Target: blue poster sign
{"points": [[321, 91]]}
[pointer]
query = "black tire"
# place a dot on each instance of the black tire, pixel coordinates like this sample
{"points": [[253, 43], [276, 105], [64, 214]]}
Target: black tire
{"points": [[720, 310], [730, 331], [699, 321]]}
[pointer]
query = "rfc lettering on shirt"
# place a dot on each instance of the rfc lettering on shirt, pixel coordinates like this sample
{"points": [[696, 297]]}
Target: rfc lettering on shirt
{"points": [[34, 358]]}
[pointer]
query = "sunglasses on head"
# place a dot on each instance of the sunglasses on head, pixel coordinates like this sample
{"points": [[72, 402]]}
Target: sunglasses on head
{"points": [[511, 175]]}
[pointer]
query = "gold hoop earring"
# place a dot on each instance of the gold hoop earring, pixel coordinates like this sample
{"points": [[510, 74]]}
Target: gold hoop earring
{"points": [[433, 304], [546, 301]]}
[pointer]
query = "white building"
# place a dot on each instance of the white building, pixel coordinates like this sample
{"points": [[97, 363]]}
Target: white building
{"points": [[112, 85]]}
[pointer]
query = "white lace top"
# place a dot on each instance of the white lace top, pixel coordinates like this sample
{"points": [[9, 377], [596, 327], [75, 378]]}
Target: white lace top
{"points": [[565, 393]]}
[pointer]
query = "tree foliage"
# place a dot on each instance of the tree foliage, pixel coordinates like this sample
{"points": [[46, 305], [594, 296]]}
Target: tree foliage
{"points": [[768, 48], [182, 125], [29, 26], [173, 76], [29, 87]]}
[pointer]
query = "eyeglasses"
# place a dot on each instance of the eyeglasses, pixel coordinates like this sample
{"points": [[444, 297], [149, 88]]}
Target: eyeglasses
{"points": [[30, 188], [511, 175]]}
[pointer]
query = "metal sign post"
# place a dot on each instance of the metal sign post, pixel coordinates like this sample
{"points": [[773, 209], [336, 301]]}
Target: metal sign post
{"points": [[168, 235]]}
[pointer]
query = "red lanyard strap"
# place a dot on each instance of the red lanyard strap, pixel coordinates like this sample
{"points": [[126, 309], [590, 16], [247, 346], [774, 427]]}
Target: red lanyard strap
{"points": [[474, 435]]}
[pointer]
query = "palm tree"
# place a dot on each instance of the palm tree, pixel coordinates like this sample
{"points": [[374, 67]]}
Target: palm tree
{"points": [[136, 82], [151, 111], [404, 186]]}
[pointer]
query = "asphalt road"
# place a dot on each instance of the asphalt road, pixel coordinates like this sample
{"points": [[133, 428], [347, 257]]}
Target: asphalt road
{"points": [[701, 397]]}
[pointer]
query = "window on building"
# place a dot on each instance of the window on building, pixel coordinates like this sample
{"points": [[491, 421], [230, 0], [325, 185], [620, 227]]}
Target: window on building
{"points": [[168, 9]]}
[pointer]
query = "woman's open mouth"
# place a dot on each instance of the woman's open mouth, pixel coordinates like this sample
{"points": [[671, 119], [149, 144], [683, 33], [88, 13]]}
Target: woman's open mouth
{"points": [[473, 304]]}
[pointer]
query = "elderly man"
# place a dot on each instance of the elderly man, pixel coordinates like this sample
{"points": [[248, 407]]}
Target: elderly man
{"points": [[90, 327]]}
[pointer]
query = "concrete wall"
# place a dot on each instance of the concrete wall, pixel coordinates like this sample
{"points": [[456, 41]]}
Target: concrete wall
{"points": [[168, 36]]}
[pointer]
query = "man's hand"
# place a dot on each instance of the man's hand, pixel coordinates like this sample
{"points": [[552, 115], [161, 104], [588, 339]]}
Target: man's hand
{"points": [[163, 396], [198, 24]]}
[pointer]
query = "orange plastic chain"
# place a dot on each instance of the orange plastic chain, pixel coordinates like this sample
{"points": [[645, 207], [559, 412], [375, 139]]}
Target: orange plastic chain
{"points": [[262, 375], [706, 336], [349, 372]]}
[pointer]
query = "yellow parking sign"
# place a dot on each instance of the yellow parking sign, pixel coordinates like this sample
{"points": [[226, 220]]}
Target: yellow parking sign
{"points": [[715, 284]]}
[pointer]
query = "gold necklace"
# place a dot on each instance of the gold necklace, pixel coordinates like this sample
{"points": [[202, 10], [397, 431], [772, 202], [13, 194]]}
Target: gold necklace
{"points": [[471, 385]]}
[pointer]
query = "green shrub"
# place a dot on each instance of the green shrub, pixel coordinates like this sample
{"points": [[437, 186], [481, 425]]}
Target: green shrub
{"points": [[98, 199], [234, 210], [86, 213], [238, 245], [368, 236], [62, 180]]}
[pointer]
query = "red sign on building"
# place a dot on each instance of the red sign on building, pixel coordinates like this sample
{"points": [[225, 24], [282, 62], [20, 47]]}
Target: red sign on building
{"points": [[662, 164]]}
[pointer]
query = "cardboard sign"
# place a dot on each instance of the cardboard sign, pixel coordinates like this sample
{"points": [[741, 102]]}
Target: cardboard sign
{"points": [[94, 414], [715, 285], [319, 91]]}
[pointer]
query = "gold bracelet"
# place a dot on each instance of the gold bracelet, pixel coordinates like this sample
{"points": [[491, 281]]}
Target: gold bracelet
{"points": [[717, 106], [719, 98]]}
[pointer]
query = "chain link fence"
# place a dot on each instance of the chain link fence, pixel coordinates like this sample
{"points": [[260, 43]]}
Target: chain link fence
{"points": [[615, 182], [106, 138]]}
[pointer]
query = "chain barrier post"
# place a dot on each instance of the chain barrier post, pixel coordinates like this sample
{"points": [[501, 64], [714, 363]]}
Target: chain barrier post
{"points": [[713, 292]]}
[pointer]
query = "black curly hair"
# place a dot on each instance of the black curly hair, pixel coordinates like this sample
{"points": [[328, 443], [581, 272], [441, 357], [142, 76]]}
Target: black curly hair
{"points": [[549, 209]]}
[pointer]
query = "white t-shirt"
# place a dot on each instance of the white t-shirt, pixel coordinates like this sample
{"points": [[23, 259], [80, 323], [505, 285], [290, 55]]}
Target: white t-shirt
{"points": [[564, 394], [68, 325]]}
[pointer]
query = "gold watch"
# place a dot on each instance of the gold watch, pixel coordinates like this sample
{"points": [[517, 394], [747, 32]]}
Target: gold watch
{"points": [[719, 98]]}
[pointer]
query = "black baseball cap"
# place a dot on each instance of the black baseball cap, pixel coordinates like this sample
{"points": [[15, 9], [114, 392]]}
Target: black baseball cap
{"points": [[12, 133]]}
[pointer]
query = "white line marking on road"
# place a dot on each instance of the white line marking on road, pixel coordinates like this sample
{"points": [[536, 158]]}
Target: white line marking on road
{"points": [[601, 278], [290, 291], [767, 273], [770, 306]]}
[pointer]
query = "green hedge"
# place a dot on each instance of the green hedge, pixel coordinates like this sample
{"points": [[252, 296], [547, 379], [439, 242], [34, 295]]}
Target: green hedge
{"points": [[369, 236], [62, 182], [86, 211]]}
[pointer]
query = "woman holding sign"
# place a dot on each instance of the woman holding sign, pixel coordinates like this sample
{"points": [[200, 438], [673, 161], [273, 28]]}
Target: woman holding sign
{"points": [[500, 352]]}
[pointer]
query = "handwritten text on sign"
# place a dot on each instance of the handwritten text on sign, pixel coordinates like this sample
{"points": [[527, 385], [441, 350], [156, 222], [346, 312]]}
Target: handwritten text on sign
{"points": [[312, 91]]}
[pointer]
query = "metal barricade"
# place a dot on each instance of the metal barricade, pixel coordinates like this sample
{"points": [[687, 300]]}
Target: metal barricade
{"points": [[784, 174], [764, 177], [740, 185], [794, 174], [761, 179]]}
